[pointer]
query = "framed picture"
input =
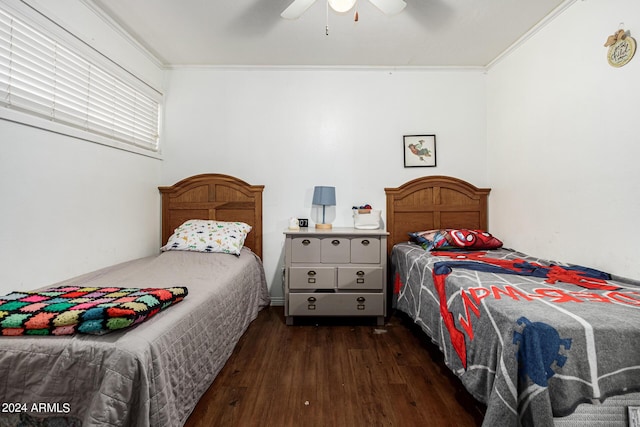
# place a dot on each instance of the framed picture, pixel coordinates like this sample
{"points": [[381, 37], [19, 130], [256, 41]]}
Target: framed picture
{"points": [[419, 151], [634, 416]]}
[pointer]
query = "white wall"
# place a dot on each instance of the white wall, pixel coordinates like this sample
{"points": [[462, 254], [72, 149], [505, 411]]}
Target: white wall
{"points": [[293, 129], [68, 206], [564, 144]]}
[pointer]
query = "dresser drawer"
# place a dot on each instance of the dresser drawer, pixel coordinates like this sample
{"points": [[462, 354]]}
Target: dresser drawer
{"points": [[335, 250], [360, 277], [312, 278], [333, 304], [305, 249], [365, 250]]}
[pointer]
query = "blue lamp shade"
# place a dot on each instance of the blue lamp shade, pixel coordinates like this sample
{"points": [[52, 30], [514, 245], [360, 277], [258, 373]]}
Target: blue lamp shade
{"points": [[324, 196]]}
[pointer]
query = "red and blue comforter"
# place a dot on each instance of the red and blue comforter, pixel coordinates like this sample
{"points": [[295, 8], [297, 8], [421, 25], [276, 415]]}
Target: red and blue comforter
{"points": [[530, 338]]}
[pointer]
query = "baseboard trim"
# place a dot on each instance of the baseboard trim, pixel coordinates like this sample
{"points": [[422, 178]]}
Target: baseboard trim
{"points": [[277, 301]]}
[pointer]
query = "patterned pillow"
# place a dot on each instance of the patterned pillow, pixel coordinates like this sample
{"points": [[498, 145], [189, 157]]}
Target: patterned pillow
{"points": [[200, 235], [455, 239], [430, 239], [90, 310]]}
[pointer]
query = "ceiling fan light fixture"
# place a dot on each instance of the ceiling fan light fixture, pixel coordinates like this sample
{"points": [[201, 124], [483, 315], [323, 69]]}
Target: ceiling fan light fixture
{"points": [[342, 6]]}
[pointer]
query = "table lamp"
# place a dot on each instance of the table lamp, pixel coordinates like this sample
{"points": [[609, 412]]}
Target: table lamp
{"points": [[324, 196]]}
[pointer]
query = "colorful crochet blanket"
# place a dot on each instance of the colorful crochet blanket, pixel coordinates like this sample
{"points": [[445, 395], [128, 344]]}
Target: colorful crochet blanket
{"points": [[71, 309]]}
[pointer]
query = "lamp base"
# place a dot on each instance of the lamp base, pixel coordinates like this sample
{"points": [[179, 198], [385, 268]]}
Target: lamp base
{"points": [[324, 226]]}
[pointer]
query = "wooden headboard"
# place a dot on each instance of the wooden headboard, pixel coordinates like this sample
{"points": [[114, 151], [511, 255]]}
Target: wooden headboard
{"points": [[434, 202], [213, 197]]}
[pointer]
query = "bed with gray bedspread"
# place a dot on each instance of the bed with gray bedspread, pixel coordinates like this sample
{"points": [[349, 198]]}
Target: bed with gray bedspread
{"points": [[531, 343], [150, 375]]}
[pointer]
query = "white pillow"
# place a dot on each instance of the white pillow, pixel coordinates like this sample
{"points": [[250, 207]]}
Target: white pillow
{"points": [[208, 236]]}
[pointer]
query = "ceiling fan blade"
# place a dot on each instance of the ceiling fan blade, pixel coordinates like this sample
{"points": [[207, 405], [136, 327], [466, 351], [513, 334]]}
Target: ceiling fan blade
{"points": [[296, 9], [389, 7]]}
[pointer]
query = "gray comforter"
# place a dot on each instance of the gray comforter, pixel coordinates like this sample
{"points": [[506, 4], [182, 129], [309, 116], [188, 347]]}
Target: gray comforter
{"points": [[530, 338], [152, 374]]}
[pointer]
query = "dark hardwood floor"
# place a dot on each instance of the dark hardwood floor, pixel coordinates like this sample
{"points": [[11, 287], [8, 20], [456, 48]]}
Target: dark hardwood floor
{"points": [[335, 372]]}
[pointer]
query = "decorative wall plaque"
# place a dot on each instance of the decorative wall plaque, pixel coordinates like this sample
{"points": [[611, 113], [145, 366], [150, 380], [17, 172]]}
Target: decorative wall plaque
{"points": [[622, 47]]}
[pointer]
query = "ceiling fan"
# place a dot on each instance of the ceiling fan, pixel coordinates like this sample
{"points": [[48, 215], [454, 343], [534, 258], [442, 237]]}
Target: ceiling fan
{"points": [[298, 7]]}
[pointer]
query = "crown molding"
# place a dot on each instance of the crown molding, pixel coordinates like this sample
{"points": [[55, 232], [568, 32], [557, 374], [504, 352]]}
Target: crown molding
{"points": [[384, 68]]}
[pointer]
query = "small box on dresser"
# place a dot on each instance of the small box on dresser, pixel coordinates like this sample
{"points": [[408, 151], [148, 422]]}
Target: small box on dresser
{"points": [[335, 272]]}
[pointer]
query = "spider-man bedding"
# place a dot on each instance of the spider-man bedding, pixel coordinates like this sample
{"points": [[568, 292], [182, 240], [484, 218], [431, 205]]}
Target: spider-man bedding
{"points": [[530, 338]]}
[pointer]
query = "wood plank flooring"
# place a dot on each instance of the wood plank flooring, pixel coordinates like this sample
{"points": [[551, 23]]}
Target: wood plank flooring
{"points": [[335, 372]]}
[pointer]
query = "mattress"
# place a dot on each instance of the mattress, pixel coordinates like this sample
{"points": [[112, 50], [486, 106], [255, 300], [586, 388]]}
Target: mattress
{"points": [[154, 373], [530, 338]]}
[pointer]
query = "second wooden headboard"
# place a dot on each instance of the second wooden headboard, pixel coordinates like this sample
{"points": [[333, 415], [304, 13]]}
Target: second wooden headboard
{"points": [[434, 202], [213, 197]]}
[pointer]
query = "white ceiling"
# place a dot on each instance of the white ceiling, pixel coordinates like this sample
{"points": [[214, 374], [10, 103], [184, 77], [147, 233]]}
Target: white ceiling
{"points": [[251, 32]]}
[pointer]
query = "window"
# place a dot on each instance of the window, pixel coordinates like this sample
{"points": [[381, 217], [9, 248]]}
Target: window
{"points": [[41, 77]]}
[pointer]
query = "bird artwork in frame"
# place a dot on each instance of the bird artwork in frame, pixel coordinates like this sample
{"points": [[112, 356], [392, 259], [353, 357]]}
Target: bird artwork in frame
{"points": [[419, 151]]}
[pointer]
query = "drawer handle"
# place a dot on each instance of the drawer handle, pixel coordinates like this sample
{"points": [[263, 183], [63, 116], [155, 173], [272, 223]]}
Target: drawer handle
{"points": [[361, 299], [306, 242], [360, 273], [365, 242], [335, 242], [311, 273], [311, 299]]}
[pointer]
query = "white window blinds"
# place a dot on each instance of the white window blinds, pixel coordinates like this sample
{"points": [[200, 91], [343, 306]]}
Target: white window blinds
{"points": [[41, 77]]}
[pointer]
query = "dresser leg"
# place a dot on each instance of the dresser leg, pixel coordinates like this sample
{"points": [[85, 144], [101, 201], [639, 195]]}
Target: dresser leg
{"points": [[380, 320], [289, 320]]}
